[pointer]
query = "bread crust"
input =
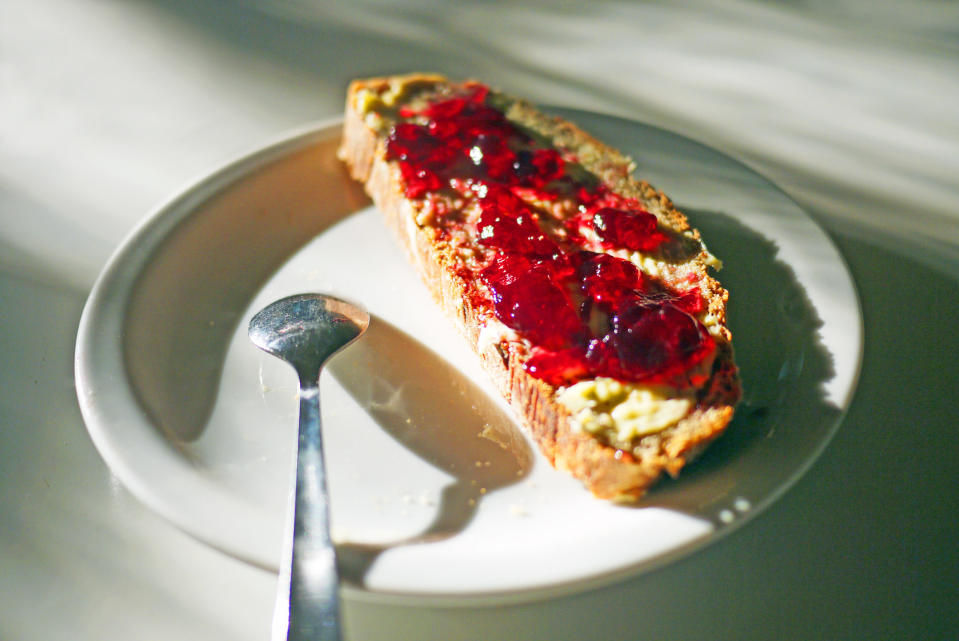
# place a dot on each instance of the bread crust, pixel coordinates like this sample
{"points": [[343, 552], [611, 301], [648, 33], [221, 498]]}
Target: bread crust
{"points": [[606, 471]]}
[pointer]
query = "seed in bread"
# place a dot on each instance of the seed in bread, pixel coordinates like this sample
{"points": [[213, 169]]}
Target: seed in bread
{"points": [[584, 291]]}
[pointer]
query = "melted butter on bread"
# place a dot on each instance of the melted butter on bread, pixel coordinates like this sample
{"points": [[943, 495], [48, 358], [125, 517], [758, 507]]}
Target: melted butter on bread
{"points": [[619, 413]]}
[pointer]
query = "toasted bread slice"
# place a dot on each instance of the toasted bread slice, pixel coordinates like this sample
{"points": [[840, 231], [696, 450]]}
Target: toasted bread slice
{"points": [[613, 414]]}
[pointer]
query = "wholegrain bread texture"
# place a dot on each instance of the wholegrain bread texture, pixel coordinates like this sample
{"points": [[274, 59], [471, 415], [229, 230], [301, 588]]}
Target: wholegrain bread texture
{"points": [[608, 471]]}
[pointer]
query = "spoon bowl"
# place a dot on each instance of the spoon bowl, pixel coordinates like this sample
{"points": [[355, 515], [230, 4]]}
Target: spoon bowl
{"points": [[305, 331]]}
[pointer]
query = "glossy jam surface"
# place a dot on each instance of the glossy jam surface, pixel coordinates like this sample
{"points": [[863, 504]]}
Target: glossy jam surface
{"points": [[586, 314]]}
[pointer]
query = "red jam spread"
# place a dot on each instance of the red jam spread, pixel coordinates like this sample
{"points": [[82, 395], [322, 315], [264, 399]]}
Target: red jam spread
{"points": [[586, 314]]}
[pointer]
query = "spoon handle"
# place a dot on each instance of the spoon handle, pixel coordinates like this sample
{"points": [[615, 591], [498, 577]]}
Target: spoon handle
{"points": [[312, 586]]}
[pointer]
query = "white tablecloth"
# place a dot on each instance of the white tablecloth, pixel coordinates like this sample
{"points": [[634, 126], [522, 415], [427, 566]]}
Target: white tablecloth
{"points": [[109, 108]]}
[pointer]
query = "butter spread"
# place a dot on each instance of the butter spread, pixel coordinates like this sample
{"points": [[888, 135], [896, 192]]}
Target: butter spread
{"points": [[495, 333], [621, 412], [377, 105]]}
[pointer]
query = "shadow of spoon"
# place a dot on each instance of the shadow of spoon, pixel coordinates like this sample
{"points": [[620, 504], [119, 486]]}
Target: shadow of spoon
{"points": [[440, 415]]}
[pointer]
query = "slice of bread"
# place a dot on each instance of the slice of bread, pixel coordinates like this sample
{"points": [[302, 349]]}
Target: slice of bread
{"points": [[617, 434]]}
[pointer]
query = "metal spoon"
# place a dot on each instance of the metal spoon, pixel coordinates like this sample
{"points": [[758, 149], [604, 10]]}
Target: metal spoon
{"points": [[305, 331]]}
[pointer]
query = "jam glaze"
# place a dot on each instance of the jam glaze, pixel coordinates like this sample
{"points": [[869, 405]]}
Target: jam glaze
{"points": [[552, 239]]}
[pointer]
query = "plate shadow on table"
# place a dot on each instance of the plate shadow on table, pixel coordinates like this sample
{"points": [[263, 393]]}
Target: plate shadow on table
{"points": [[785, 418], [440, 415]]}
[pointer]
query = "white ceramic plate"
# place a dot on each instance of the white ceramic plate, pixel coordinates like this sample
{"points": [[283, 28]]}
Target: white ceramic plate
{"points": [[436, 494]]}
